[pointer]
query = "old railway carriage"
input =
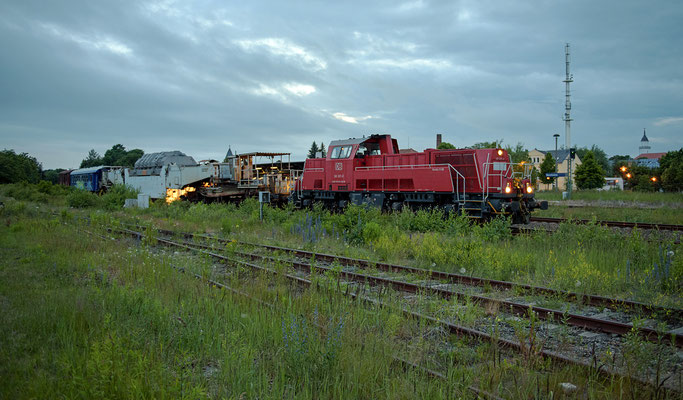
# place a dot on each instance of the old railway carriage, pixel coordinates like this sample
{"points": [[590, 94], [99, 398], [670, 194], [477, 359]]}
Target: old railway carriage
{"points": [[480, 183]]}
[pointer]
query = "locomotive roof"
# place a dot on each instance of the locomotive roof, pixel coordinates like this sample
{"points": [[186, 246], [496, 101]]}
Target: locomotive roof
{"points": [[352, 141], [347, 142]]}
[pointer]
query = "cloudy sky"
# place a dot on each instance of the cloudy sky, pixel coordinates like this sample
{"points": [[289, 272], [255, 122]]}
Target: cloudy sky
{"points": [[198, 76]]}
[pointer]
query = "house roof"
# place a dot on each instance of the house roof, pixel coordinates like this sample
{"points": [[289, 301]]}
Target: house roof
{"points": [[558, 155], [407, 151], [651, 155]]}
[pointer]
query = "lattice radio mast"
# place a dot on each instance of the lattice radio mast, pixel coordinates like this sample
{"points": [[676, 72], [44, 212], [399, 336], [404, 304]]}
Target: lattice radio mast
{"points": [[567, 115]]}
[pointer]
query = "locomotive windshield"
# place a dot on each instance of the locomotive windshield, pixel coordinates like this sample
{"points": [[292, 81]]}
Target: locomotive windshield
{"points": [[341, 152]]}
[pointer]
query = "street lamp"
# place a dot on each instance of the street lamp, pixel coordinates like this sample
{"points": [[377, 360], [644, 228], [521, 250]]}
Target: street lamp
{"points": [[556, 136]]}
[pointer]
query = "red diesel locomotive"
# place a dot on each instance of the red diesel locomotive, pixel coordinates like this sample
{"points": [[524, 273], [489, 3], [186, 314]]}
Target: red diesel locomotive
{"points": [[480, 183]]}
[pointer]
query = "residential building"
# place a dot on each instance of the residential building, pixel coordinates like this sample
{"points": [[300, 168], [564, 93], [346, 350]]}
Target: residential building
{"points": [[650, 160], [562, 159], [647, 159]]}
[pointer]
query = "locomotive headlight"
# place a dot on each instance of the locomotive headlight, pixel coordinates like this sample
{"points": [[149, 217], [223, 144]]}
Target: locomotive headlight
{"points": [[529, 189], [508, 189], [500, 152]]}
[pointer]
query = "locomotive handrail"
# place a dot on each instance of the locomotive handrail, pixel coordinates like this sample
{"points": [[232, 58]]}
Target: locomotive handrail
{"points": [[507, 170]]}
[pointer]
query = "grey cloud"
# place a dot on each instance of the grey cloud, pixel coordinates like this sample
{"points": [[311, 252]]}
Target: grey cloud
{"points": [[272, 75]]}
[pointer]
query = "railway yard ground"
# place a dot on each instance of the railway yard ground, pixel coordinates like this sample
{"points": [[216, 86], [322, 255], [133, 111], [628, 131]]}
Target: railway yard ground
{"points": [[207, 301]]}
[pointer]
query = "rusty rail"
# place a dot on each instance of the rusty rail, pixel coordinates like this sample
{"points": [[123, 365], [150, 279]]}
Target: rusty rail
{"points": [[453, 328]]}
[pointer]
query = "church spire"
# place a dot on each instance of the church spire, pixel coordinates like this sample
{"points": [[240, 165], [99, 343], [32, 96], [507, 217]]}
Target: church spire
{"points": [[644, 144]]}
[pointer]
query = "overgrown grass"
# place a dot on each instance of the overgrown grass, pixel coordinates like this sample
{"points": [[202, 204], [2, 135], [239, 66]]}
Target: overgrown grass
{"points": [[662, 215], [86, 317], [615, 195], [588, 259]]}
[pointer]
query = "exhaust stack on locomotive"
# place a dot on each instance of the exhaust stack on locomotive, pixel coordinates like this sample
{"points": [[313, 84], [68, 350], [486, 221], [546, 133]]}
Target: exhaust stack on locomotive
{"points": [[480, 183]]}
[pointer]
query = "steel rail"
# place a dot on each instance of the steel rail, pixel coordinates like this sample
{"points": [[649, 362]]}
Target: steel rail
{"points": [[453, 328], [617, 224], [301, 281], [589, 299], [580, 321]]}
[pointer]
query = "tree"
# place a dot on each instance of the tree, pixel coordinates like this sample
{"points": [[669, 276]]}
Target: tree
{"points": [[92, 160], [598, 153], [18, 167], [617, 162], [589, 175], [671, 165], [518, 153], [488, 145], [116, 156], [52, 175], [547, 166], [445, 146], [313, 150], [322, 150]]}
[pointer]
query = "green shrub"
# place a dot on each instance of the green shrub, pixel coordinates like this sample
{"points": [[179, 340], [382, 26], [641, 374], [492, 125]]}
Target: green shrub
{"points": [[81, 199], [116, 196]]}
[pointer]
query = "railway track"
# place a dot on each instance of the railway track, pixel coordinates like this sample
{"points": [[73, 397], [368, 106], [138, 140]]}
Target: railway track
{"points": [[520, 309], [479, 393], [614, 224], [450, 327], [581, 298]]}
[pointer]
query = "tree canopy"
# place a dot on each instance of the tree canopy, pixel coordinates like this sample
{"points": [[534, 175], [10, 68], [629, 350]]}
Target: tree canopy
{"points": [[589, 175], [117, 156], [671, 165], [445, 146], [488, 145], [547, 166], [599, 155], [18, 167], [314, 149], [517, 153]]}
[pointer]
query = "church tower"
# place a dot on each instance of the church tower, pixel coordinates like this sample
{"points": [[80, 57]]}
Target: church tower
{"points": [[644, 144]]}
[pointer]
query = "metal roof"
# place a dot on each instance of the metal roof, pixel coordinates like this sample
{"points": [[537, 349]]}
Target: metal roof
{"points": [[153, 160], [346, 142], [263, 154], [91, 170], [558, 155]]}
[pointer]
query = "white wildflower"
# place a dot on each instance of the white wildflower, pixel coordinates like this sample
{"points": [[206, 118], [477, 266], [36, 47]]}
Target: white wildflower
{"points": [[463, 270]]}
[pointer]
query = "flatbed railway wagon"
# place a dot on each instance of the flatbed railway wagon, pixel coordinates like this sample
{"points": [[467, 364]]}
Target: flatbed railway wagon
{"points": [[479, 183]]}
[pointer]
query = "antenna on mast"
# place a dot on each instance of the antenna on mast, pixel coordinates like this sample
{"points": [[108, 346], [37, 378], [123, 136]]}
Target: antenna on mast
{"points": [[567, 102], [568, 119]]}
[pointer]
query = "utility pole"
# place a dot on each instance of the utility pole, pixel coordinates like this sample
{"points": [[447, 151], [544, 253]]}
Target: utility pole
{"points": [[556, 136], [567, 118]]}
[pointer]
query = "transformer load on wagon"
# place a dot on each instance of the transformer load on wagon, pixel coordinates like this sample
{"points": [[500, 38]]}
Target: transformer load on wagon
{"points": [[172, 175], [480, 183]]}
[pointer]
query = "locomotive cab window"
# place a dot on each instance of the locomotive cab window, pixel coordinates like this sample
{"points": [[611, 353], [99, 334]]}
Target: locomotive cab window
{"points": [[341, 152], [368, 149]]}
